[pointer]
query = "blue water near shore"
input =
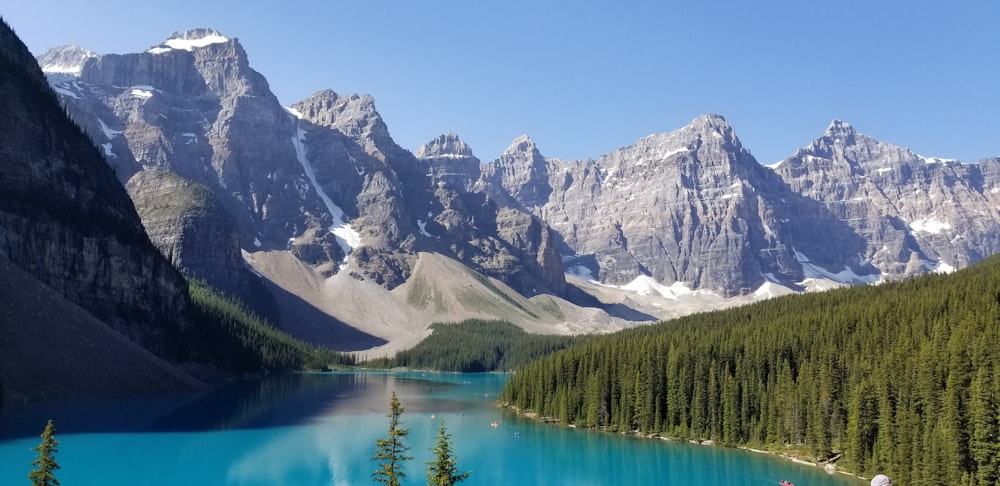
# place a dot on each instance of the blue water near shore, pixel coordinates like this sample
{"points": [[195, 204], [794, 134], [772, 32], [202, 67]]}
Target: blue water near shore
{"points": [[320, 429]]}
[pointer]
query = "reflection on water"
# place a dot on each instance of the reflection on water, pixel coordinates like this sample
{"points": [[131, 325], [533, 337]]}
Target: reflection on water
{"points": [[320, 429]]}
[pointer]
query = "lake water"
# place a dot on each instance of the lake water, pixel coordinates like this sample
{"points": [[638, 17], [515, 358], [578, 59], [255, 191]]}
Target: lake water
{"points": [[320, 429]]}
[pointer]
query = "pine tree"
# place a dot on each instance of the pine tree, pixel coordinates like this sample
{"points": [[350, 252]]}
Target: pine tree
{"points": [[392, 450], [45, 463], [443, 470]]}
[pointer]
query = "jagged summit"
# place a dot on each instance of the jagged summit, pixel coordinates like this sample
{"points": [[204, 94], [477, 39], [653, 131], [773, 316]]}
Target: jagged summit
{"points": [[841, 132], [521, 144], [445, 145], [710, 120], [68, 59], [189, 40], [703, 131], [348, 113]]}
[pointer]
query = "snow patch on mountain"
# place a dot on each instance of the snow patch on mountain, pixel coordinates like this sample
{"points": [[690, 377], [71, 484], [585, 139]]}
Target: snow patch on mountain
{"points": [[845, 276], [939, 267], [646, 285], [423, 227], [144, 94], [936, 160], [189, 44], [930, 225], [108, 132], [581, 272], [347, 237], [770, 289], [65, 60], [62, 89]]}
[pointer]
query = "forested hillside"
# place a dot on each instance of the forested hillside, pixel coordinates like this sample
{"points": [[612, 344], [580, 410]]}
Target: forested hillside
{"points": [[238, 340], [476, 345], [900, 378]]}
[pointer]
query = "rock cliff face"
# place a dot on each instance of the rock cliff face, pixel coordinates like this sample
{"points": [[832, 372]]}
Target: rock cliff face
{"points": [[194, 107], [915, 213], [67, 222], [192, 228], [690, 206], [322, 179]]}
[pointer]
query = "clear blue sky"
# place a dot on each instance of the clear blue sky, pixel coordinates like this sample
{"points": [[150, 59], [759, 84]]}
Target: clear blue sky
{"points": [[583, 78]]}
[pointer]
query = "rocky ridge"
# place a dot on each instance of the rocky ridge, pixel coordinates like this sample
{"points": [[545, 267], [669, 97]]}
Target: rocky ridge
{"points": [[672, 214], [915, 213]]}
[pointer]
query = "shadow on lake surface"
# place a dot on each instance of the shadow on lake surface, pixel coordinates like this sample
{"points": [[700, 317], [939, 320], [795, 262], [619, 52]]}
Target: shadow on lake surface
{"points": [[272, 401]]}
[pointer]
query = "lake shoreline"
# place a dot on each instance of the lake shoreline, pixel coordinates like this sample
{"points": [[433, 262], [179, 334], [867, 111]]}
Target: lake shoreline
{"points": [[830, 468]]}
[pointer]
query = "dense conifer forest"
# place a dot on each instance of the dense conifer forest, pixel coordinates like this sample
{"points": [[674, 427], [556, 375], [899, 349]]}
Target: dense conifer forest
{"points": [[236, 337], [901, 379], [476, 345]]}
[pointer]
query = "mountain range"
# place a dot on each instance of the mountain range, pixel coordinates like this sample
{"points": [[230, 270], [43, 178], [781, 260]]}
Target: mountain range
{"points": [[314, 214]]}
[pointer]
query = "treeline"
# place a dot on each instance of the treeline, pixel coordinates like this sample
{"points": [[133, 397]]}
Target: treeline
{"points": [[901, 379], [474, 346], [240, 340]]}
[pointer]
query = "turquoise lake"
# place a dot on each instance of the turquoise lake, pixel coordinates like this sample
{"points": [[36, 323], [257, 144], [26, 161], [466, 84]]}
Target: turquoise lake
{"points": [[320, 429]]}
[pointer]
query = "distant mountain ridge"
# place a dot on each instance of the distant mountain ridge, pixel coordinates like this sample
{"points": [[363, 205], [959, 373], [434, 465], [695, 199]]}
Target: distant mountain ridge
{"points": [[674, 213]]}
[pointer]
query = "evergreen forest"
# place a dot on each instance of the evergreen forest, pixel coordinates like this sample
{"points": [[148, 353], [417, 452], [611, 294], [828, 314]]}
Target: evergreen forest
{"points": [[236, 337], [476, 345], [901, 378]]}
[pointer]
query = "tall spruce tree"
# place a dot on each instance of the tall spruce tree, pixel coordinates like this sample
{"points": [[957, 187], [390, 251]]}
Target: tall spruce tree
{"points": [[391, 450], [45, 463], [443, 470]]}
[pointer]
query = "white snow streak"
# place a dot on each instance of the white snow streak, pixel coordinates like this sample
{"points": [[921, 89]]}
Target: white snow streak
{"points": [[347, 238], [108, 132], [65, 92], [107, 150], [423, 227]]}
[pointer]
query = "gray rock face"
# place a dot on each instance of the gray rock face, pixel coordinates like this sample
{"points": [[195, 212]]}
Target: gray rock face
{"points": [[915, 213], [323, 179], [191, 228], [67, 222], [451, 162], [65, 60], [194, 107], [689, 206]]}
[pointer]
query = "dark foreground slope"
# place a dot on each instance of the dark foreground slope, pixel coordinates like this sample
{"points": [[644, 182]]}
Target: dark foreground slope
{"points": [[50, 348], [901, 378], [75, 256]]}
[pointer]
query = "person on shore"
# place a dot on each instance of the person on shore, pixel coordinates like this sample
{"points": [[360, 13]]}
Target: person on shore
{"points": [[882, 480]]}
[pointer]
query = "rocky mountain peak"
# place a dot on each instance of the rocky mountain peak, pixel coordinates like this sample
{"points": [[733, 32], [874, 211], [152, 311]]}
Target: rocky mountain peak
{"points": [[68, 59], [840, 132], [353, 115], [522, 144], [713, 127], [446, 145], [839, 127]]}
